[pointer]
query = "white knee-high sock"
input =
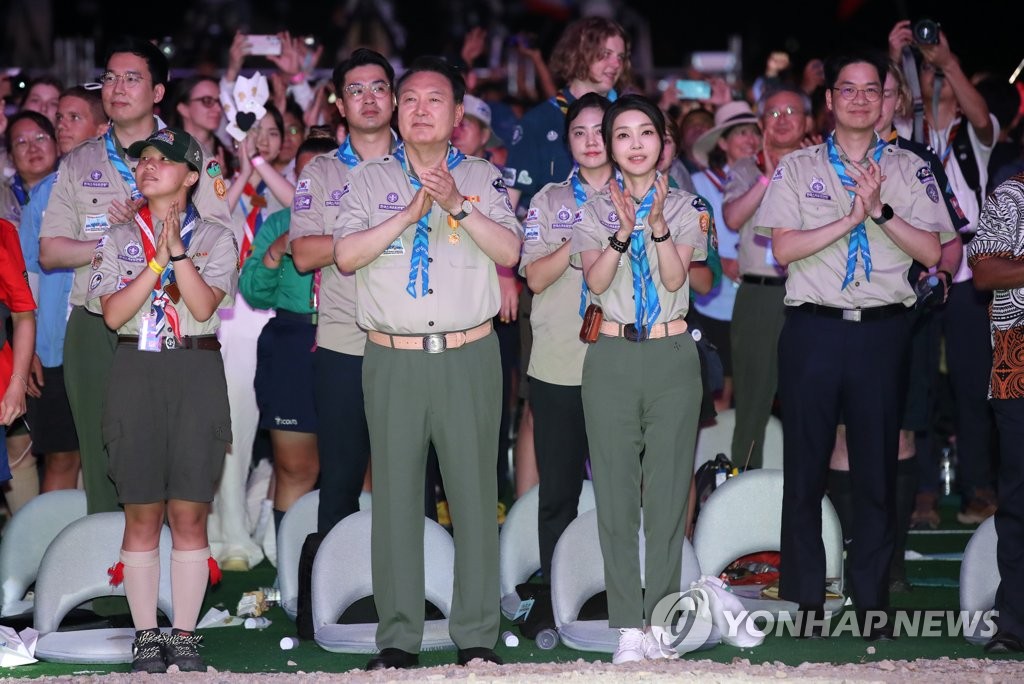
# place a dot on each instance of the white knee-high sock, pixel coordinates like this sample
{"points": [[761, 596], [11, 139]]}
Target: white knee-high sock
{"points": [[190, 572], [142, 585]]}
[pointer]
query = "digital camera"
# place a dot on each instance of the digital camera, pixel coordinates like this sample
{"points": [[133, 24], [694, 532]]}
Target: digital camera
{"points": [[926, 32]]}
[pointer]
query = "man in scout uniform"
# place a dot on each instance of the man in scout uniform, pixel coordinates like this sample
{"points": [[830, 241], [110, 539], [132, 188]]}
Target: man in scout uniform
{"points": [[423, 229], [91, 177], [364, 85], [758, 315], [847, 217]]}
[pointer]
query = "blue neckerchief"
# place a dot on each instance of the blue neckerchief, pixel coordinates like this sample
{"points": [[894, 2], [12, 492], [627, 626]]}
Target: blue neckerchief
{"points": [[645, 294], [119, 163], [18, 188], [419, 264], [580, 193], [859, 235], [347, 155]]}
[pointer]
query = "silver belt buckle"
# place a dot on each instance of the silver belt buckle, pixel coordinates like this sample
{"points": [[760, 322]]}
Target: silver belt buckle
{"points": [[170, 342], [434, 344], [851, 315]]}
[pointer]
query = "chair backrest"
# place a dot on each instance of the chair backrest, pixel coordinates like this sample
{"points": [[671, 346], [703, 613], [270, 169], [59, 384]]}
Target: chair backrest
{"points": [[25, 539], [73, 571], [979, 579], [519, 547], [342, 575], [744, 515], [577, 574], [299, 521], [716, 439]]}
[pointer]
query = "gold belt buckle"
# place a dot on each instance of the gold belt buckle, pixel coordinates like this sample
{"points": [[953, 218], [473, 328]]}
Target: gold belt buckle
{"points": [[434, 344]]}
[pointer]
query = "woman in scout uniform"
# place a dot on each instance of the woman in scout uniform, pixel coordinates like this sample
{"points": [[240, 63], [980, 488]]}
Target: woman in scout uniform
{"points": [[556, 364], [158, 281], [641, 378]]}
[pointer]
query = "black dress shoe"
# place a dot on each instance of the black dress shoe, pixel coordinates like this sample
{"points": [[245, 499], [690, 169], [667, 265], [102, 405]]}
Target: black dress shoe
{"points": [[1004, 642], [485, 654], [393, 657]]}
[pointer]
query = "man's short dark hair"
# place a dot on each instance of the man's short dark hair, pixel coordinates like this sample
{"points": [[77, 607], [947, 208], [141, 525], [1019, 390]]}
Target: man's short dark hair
{"points": [[155, 59], [361, 57], [438, 66], [317, 145], [836, 63]]}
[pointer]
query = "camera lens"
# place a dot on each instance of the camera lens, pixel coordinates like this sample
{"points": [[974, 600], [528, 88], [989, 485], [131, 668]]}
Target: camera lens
{"points": [[926, 32]]}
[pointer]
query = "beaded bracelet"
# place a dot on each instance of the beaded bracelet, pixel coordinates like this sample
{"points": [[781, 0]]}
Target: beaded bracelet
{"points": [[664, 237], [618, 245]]}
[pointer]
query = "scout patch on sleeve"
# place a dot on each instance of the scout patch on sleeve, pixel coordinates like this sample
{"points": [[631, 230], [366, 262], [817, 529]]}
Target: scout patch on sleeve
{"points": [[777, 176], [96, 223], [699, 204], [499, 185], [302, 186], [531, 233], [302, 202]]}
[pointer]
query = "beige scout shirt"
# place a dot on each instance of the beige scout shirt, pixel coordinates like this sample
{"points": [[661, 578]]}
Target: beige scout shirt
{"points": [[806, 193], [87, 183], [557, 354], [755, 251], [315, 212], [688, 223], [119, 259], [463, 281]]}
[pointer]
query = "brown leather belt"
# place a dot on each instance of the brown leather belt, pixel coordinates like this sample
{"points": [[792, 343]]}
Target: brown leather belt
{"points": [[205, 342], [432, 344], [630, 332]]}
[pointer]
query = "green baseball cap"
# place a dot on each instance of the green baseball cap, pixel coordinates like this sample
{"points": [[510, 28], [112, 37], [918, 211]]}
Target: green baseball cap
{"points": [[176, 145]]}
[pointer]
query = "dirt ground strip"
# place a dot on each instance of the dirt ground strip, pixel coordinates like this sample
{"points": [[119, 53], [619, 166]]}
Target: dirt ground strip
{"points": [[739, 670]]}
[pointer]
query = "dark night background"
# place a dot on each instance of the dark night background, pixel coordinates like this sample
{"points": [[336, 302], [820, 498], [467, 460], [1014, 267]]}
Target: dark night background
{"points": [[980, 32]]}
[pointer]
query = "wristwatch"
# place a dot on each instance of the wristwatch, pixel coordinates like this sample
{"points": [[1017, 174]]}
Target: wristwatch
{"points": [[467, 209], [887, 214]]}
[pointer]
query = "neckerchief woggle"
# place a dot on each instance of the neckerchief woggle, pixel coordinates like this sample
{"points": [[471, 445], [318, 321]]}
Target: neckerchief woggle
{"points": [[580, 194], [160, 303], [120, 164], [859, 235], [645, 294], [419, 264]]}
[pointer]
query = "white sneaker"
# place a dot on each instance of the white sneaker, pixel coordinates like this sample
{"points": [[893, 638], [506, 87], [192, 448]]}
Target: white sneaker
{"points": [[631, 646], [657, 644]]}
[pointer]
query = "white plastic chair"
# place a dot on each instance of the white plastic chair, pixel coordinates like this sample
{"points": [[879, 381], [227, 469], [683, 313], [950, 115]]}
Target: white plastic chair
{"points": [[73, 571], [743, 516], [717, 439], [25, 539], [299, 521], [979, 579], [577, 574], [519, 547], [342, 576]]}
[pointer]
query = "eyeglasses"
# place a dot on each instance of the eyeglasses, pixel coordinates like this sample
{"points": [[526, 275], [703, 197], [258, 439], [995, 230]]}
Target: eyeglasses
{"points": [[871, 93], [21, 142], [131, 79], [786, 111], [207, 101], [377, 88]]}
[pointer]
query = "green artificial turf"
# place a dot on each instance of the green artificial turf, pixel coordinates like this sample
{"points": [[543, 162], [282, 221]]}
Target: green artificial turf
{"points": [[237, 649]]}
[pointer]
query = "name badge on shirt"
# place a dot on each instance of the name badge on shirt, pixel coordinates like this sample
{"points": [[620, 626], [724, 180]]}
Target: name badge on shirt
{"points": [[149, 339], [96, 223], [395, 248]]}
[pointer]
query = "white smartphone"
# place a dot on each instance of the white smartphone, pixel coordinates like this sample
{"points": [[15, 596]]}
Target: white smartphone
{"points": [[262, 45]]}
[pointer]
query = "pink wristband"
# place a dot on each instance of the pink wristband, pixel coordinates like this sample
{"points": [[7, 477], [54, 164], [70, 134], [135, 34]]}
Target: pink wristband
{"points": [[763, 180], [297, 78], [258, 161]]}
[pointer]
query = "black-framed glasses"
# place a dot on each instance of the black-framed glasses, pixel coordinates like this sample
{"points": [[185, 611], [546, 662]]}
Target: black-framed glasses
{"points": [[871, 93], [377, 89], [207, 101]]}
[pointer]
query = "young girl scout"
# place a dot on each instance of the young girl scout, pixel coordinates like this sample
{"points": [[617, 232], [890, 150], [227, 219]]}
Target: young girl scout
{"points": [[158, 281]]}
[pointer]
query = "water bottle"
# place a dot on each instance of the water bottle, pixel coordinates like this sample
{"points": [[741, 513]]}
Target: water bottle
{"points": [[547, 639], [509, 639], [928, 292], [257, 623], [947, 471]]}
